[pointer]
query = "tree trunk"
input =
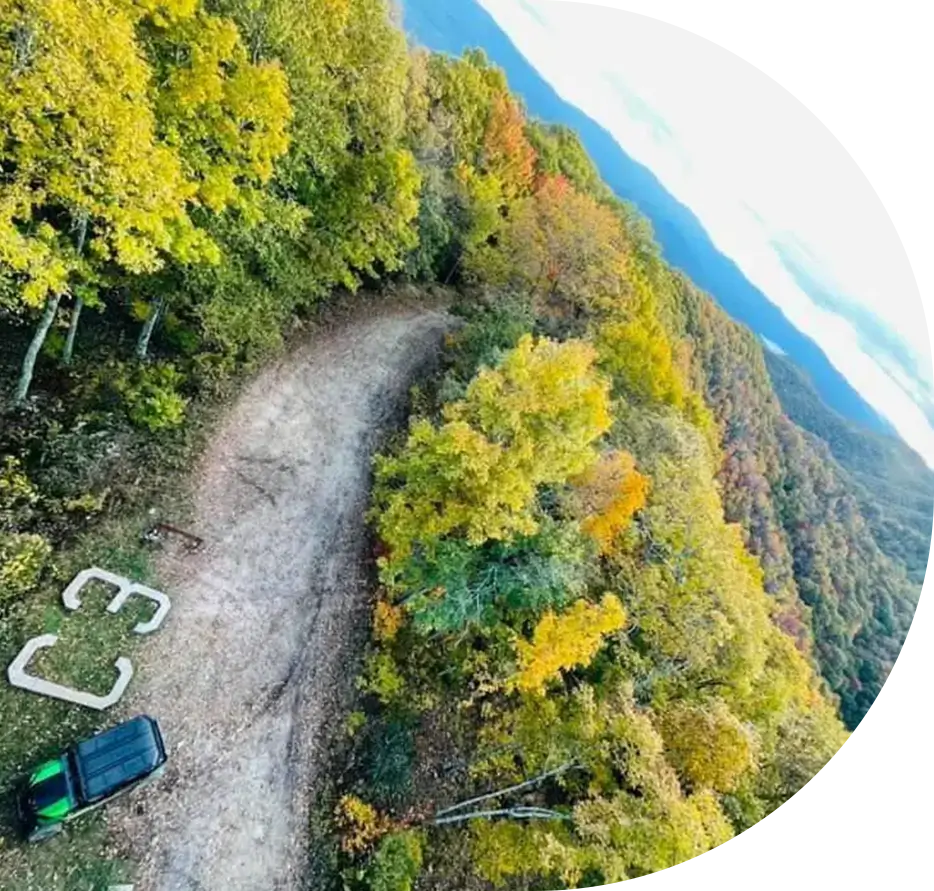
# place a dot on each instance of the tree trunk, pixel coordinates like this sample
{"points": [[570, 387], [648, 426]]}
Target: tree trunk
{"points": [[29, 360], [142, 345], [80, 224], [72, 331]]}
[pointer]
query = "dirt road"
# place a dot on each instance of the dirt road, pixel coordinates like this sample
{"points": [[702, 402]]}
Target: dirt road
{"points": [[242, 675]]}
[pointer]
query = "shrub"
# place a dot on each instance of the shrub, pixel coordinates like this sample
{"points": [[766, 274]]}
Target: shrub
{"points": [[88, 503], [17, 495], [396, 863], [360, 824], [148, 394], [381, 677], [356, 721], [22, 559], [387, 760], [387, 620], [152, 397]]}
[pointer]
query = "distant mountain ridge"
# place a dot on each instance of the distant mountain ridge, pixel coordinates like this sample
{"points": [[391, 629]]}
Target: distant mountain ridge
{"points": [[876, 338], [452, 26]]}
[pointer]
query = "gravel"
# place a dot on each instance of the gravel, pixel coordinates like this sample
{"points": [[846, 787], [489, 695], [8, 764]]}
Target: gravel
{"points": [[244, 675]]}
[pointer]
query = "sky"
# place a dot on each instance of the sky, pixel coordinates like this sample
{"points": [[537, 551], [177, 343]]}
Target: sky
{"points": [[766, 179]]}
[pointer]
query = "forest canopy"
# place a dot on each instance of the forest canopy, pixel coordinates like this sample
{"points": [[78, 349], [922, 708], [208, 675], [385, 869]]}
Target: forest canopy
{"points": [[629, 599]]}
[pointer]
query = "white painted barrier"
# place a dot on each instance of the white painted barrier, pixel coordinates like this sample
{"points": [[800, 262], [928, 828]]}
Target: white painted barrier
{"points": [[71, 598], [19, 677], [126, 589]]}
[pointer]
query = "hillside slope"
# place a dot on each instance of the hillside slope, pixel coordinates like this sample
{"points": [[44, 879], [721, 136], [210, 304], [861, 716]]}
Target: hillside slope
{"points": [[457, 25], [809, 520], [895, 488]]}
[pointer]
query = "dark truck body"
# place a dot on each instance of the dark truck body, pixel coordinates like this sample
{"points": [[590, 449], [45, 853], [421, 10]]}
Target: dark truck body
{"points": [[90, 773]]}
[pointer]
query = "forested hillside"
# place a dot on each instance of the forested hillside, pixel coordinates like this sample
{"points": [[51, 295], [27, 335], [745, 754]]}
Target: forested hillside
{"points": [[802, 515], [182, 182], [454, 26], [626, 606], [610, 560], [894, 486]]}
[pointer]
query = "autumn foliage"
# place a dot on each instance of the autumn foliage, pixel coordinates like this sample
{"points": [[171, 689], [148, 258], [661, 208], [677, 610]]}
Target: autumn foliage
{"points": [[559, 247], [507, 153], [607, 496], [570, 640], [529, 422], [607, 562]]}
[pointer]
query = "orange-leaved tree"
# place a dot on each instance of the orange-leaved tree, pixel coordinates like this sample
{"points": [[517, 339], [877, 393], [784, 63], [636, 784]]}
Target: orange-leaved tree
{"points": [[559, 247], [607, 496]]}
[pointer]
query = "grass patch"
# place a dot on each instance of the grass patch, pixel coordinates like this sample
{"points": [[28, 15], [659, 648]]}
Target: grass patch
{"points": [[35, 727], [73, 861], [90, 640]]}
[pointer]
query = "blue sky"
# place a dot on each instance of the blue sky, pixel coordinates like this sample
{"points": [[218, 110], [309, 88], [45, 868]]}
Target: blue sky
{"points": [[775, 190]]}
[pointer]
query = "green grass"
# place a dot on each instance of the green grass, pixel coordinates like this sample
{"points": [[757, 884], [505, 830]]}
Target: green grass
{"points": [[73, 861], [33, 727]]}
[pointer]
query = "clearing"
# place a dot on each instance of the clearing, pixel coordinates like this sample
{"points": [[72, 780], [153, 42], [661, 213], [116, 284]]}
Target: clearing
{"points": [[245, 674]]}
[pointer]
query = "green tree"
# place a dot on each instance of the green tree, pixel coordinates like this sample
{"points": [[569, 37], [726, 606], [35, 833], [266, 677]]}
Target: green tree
{"points": [[347, 166], [561, 153], [396, 863], [461, 585]]}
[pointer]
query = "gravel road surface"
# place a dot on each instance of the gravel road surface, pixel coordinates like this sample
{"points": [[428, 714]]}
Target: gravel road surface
{"points": [[242, 677]]}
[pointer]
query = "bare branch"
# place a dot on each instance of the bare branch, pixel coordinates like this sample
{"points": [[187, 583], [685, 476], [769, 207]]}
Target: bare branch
{"points": [[516, 813], [564, 768]]}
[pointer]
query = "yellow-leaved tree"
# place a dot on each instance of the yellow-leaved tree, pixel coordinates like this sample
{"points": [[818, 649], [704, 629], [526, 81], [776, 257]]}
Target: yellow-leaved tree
{"points": [[108, 142], [707, 745], [568, 640], [226, 115], [639, 356], [544, 403], [450, 479], [86, 181], [530, 421]]}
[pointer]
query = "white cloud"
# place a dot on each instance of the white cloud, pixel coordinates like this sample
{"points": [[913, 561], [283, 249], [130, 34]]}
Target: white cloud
{"points": [[751, 162]]}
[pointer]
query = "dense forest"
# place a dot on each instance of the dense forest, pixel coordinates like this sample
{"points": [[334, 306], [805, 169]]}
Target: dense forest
{"points": [[894, 486], [635, 581]]}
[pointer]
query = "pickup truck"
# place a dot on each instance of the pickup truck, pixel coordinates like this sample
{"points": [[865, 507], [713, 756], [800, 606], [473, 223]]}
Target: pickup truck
{"points": [[89, 774]]}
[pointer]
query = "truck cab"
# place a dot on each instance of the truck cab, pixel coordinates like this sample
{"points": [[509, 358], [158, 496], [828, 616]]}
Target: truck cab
{"points": [[90, 773]]}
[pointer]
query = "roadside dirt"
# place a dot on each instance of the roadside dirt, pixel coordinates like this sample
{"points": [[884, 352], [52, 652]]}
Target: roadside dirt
{"points": [[243, 676]]}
